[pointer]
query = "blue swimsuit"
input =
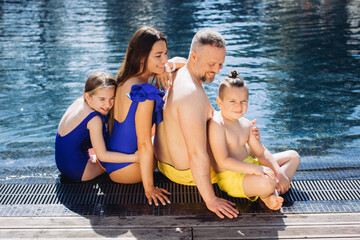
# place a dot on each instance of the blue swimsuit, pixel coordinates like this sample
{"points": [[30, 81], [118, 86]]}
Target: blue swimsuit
{"points": [[124, 138], [71, 150]]}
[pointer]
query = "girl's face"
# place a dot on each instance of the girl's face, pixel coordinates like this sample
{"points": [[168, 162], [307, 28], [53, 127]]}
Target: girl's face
{"points": [[235, 102], [157, 58], [102, 100]]}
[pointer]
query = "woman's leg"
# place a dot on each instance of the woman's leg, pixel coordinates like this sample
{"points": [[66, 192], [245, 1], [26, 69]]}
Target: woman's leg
{"points": [[128, 174]]}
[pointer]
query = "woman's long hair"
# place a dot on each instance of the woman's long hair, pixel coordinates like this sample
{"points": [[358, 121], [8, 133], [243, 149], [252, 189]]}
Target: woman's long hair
{"points": [[138, 51]]}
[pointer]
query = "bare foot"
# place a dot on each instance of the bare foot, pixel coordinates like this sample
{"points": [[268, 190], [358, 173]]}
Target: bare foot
{"points": [[273, 202]]}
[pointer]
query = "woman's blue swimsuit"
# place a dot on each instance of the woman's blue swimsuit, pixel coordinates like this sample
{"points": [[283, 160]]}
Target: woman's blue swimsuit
{"points": [[123, 138], [71, 150]]}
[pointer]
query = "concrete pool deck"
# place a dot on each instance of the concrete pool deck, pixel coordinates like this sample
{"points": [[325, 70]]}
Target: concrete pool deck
{"points": [[43, 208]]}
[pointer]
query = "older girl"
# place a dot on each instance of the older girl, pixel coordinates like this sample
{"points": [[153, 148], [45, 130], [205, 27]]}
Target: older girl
{"points": [[83, 127]]}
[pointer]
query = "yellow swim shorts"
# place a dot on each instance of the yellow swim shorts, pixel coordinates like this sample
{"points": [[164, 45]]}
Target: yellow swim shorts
{"points": [[181, 176], [232, 182]]}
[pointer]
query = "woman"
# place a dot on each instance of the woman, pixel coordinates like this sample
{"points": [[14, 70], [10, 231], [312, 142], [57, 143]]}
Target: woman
{"points": [[138, 105]]}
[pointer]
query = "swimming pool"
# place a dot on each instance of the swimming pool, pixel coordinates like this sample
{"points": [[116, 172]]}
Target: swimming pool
{"points": [[301, 60]]}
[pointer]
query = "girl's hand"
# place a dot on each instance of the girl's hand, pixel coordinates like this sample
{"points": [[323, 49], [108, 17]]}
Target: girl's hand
{"points": [[264, 172], [136, 156], [283, 184], [93, 158], [157, 194], [268, 172]]}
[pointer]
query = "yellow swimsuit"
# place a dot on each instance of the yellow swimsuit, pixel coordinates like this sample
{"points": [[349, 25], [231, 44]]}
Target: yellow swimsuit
{"points": [[232, 182], [181, 176]]}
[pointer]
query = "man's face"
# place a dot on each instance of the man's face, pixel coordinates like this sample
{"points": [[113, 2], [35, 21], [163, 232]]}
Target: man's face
{"points": [[208, 62]]}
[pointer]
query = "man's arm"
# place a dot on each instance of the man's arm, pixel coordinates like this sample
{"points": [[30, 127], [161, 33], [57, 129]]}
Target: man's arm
{"points": [[193, 117]]}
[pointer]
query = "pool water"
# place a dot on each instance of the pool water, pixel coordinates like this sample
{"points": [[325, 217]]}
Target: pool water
{"points": [[301, 60]]}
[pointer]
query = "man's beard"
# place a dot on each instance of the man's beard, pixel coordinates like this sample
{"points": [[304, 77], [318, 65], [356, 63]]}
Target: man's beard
{"points": [[206, 80]]}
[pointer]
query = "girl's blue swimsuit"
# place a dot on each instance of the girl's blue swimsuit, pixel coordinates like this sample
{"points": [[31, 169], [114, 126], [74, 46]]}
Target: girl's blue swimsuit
{"points": [[71, 150], [123, 138]]}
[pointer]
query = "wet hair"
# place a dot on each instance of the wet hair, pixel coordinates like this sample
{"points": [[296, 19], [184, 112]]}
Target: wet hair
{"points": [[97, 81], [207, 37], [233, 80], [139, 49]]}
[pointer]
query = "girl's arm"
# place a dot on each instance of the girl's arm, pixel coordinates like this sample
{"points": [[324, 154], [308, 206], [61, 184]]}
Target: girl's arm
{"points": [[266, 159], [143, 124], [262, 153], [95, 127]]}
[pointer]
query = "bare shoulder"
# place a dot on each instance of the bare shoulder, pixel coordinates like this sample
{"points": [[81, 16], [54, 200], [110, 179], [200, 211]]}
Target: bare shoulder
{"points": [[73, 116], [217, 118], [184, 86], [245, 123], [216, 122]]}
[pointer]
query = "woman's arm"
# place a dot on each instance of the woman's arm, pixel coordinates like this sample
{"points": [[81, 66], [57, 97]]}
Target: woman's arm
{"points": [[95, 127], [143, 124], [176, 62], [165, 80]]}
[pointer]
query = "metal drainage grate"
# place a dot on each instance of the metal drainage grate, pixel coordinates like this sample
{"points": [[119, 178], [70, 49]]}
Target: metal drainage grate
{"points": [[111, 198]]}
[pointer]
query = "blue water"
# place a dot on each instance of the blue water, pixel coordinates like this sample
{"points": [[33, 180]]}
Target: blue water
{"points": [[301, 60]]}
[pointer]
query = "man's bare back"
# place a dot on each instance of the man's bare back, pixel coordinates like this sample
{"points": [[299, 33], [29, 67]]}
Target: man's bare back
{"points": [[169, 141], [180, 142]]}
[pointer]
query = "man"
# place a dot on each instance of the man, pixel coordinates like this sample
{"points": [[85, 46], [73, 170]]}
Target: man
{"points": [[181, 145]]}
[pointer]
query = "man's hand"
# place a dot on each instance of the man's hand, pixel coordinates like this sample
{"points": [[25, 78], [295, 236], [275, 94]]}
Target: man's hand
{"points": [[222, 207], [255, 130]]}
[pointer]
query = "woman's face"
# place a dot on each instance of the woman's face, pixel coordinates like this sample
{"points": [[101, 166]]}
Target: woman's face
{"points": [[157, 58]]}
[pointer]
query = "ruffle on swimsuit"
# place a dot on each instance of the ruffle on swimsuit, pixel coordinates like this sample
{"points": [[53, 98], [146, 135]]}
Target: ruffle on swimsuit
{"points": [[124, 138], [143, 92]]}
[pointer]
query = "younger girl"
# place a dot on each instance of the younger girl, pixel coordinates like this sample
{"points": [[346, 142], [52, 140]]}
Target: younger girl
{"points": [[83, 127]]}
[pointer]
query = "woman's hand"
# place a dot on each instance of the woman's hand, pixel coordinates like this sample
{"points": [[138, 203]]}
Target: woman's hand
{"points": [[164, 80], [157, 194]]}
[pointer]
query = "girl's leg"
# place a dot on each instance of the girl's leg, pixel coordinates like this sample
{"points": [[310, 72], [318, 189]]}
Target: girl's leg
{"points": [[263, 187], [288, 161], [128, 174], [92, 169]]}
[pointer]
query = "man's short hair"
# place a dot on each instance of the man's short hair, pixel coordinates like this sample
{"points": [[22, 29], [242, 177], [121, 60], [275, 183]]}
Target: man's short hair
{"points": [[207, 37]]}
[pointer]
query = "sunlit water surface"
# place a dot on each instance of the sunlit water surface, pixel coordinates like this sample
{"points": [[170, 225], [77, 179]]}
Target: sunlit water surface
{"points": [[301, 60]]}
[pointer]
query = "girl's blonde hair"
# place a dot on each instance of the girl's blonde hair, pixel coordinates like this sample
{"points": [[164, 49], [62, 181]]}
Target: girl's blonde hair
{"points": [[97, 81]]}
